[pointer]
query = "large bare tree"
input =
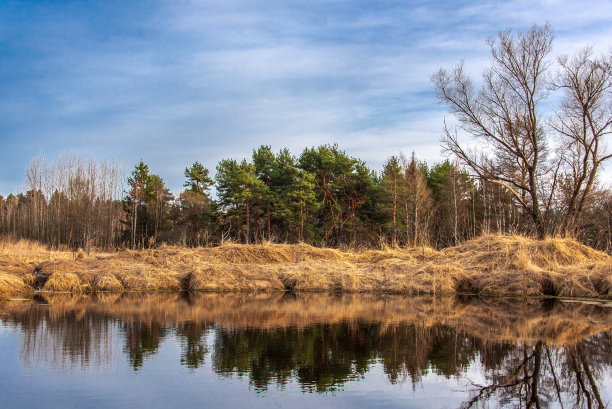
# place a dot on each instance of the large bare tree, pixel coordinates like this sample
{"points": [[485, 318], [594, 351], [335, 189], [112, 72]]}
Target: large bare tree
{"points": [[503, 115], [515, 139], [583, 120]]}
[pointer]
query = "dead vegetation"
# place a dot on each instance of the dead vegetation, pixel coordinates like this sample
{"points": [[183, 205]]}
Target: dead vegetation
{"points": [[11, 285], [489, 265]]}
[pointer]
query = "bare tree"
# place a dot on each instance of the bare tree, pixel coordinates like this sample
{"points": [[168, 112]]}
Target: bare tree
{"points": [[417, 200], [34, 183], [584, 119], [503, 115], [68, 202]]}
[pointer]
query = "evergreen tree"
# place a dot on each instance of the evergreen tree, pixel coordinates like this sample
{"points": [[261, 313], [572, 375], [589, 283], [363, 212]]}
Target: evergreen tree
{"points": [[197, 179], [238, 190], [265, 163], [294, 196], [392, 192], [194, 215], [146, 205], [343, 184]]}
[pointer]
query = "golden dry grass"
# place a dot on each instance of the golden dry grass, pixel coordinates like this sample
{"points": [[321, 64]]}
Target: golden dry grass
{"points": [[488, 265], [64, 282], [11, 285], [108, 282]]}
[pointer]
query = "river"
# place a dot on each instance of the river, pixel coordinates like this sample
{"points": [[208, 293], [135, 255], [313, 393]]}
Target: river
{"points": [[303, 350]]}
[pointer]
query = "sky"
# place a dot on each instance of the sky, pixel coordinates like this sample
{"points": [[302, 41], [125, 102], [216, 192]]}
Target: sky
{"points": [[172, 82]]}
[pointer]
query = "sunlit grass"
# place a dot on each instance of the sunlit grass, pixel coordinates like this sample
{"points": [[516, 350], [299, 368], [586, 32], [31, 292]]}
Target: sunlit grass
{"points": [[488, 265]]}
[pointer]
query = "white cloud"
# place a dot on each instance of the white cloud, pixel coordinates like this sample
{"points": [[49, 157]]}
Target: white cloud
{"points": [[206, 80]]}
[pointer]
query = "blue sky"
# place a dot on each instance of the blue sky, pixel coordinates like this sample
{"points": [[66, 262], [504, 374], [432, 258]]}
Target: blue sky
{"points": [[173, 82]]}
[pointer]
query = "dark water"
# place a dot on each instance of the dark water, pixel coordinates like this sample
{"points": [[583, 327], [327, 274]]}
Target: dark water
{"points": [[283, 350]]}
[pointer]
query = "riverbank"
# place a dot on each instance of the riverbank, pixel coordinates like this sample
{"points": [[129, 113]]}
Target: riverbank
{"points": [[488, 265]]}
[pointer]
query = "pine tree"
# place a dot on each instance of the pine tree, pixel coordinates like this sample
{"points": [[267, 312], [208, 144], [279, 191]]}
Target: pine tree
{"points": [[194, 206], [392, 191], [343, 184], [238, 190], [146, 204], [265, 162], [197, 179]]}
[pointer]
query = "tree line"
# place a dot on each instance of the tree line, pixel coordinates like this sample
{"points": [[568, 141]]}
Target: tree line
{"points": [[73, 203], [516, 167], [323, 197]]}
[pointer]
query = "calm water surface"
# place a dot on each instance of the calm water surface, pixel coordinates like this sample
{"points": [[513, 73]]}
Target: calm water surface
{"points": [[305, 350]]}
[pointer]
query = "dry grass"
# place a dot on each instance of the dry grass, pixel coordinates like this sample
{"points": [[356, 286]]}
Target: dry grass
{"points": [[515, 265], [11, 285], [489, 265], [64, 282], [108, 282]]}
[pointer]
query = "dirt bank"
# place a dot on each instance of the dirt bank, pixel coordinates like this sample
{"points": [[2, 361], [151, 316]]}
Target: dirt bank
{"points": [[489, 265]]}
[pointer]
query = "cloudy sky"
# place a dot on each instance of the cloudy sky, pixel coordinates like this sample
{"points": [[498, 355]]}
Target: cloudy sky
{"points": [[177, 81]]}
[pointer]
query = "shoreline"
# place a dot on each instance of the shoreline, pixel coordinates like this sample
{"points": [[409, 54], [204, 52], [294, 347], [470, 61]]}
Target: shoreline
{"points": [[38, 294], [492, 265], [527, 319]]}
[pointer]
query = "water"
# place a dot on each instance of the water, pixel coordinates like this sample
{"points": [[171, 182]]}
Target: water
{"points": [[305, 350]]}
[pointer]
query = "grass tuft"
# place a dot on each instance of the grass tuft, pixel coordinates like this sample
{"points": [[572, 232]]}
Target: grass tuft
{"points": [[107, 282], [11, 285], [63, 283]]}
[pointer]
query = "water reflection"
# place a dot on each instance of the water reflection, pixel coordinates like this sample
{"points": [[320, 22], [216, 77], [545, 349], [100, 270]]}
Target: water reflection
{"points": [[192, 336], [142, 340], [524, 353], [540, 376]]}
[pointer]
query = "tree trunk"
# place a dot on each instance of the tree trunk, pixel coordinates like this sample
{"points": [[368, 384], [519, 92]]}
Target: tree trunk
{"points": [[248, 222], [268, 225]]}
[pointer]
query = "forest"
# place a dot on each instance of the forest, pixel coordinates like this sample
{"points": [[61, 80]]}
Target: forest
{"points": [[324, 197], [535, 131]]}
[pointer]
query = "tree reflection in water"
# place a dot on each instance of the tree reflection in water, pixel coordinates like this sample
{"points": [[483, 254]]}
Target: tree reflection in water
{"points": [[192, 336], [540, 376], [547, 359], [142, 341]]}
